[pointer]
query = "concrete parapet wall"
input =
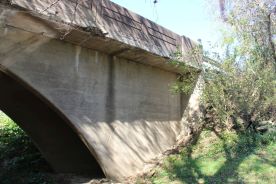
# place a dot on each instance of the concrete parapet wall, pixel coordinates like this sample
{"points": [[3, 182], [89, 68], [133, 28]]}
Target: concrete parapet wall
{"points": [[114, 21]]}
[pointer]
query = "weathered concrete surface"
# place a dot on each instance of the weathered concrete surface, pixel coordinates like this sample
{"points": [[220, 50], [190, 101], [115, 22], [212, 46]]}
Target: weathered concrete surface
{"points": [[114, 93], [59, 144]]}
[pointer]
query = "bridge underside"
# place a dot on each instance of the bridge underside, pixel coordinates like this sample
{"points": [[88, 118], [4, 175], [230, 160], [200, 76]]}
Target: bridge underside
{"points": [[51, 133]]}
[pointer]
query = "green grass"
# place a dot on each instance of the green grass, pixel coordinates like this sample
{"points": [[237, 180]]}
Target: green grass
{"points": [[20, 161], [227, 158]]}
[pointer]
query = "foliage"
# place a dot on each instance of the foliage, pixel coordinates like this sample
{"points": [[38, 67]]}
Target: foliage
{"points": [[187, 74], [243, 90], [240, 86], [20, 161], [242, 96], [222, 158]]}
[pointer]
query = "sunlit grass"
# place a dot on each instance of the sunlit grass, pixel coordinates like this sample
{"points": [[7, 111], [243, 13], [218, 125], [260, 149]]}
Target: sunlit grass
{"points": [[231, 159], [209, 166]]}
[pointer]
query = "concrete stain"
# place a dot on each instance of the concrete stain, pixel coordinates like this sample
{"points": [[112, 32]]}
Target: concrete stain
{"points": [[110, 101], [77, 58], [97, 57]]}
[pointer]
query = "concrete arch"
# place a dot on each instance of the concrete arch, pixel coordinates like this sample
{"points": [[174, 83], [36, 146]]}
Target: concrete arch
{"points": [[48, 128], [112, 89]]}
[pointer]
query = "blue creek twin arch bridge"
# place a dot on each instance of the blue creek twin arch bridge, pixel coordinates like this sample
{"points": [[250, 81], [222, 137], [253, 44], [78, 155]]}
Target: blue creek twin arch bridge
{"points": [[89, 82]]}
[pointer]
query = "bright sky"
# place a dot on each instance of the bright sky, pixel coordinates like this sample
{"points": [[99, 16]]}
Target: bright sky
{"points": [[186, 17]]}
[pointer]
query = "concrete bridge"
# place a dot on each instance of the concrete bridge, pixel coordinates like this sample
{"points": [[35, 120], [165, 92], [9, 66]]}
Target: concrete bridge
{"points": [[89, 81]]}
